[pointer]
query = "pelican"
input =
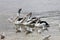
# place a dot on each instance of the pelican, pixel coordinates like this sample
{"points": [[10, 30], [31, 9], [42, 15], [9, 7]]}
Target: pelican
{"points": [[30, 24], [35, 22], [41, 24], [19, 21]]}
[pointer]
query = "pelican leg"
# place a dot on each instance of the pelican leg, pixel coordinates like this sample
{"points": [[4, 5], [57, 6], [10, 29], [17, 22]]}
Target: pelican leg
{"points": [[43, 28], [29, 30], [39, 27], [39, 31], [18, 28]]}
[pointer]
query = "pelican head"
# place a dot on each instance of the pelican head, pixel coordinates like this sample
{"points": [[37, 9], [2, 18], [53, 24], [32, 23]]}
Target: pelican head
{"points": [[19, 10]]}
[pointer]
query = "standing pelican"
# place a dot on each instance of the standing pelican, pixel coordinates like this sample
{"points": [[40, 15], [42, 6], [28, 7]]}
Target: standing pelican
{"points": [[41, 24], [30, 24], [19, 21]]}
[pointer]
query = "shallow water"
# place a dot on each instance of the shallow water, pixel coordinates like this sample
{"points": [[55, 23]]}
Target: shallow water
{"points": [[49, 13]]}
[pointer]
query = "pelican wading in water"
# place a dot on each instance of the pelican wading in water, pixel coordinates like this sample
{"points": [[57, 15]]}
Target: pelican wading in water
{"points": [[35, 22], [28, 24], [18, 21], [42, 25]]}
